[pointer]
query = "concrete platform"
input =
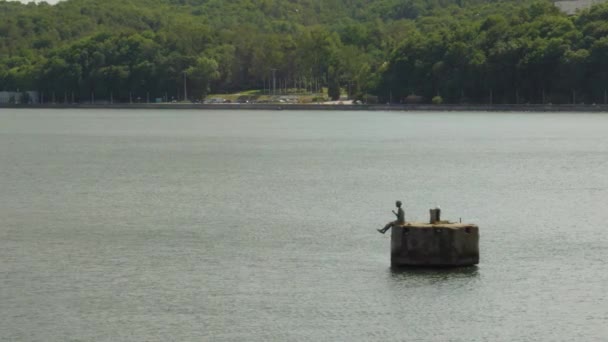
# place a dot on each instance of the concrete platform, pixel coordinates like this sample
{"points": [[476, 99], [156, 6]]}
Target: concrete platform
{"points": [[440, 244]]}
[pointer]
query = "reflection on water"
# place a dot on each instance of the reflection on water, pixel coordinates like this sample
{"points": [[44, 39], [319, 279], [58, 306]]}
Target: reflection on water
{"points": [[406, 277], [434, 273]]}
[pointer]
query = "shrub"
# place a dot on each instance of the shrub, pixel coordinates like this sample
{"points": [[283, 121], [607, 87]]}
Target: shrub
{"points": [[413, 99], [437, 100], [367, 98]]}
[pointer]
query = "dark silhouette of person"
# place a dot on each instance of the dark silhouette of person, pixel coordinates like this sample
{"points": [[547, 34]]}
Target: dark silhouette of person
{"points": [[400, 219]]}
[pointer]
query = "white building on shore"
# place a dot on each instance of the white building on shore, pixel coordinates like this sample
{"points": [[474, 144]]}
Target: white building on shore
{"points": [[571, 6], [17, 97]]}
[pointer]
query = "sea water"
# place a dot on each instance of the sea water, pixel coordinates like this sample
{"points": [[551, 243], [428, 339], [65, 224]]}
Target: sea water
{"points": [[169, 225]]}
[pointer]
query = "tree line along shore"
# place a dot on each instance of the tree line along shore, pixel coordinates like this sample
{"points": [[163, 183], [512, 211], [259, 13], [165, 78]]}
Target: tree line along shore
{"points": [[384, 51]]}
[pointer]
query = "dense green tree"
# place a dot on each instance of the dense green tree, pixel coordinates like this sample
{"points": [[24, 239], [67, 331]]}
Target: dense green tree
{"points": [[202, 73], [463, 51]]}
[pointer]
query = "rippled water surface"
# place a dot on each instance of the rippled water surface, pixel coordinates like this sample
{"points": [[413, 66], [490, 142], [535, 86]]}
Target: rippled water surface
{"points": [[260, 226]]}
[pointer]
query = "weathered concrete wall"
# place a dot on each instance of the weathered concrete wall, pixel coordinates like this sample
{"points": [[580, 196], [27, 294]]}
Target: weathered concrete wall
{"points": [[423, 244]]}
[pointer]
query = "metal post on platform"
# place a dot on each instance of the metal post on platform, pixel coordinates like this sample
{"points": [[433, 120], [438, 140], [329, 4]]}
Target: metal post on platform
{"points": [[435, 215]]}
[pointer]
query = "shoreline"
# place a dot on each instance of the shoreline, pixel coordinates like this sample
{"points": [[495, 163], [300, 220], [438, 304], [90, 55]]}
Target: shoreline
{"points": [[324, 107]]}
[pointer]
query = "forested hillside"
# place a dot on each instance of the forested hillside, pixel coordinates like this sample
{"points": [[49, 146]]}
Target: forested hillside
{"points": [[455, 51]]}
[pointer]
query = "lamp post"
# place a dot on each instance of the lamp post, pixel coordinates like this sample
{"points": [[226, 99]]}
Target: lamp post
{"points": [[185, 88], [274, 81]]}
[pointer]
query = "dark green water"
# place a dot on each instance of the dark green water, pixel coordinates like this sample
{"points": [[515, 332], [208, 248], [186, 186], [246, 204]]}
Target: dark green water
{"points": [[260, 226]]}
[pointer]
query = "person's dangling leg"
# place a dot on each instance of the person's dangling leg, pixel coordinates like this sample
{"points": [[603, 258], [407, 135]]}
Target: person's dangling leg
{"points": [[387, 227]]}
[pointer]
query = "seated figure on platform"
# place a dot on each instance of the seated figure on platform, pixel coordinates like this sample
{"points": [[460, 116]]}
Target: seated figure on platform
{"points": [[400, 219]]}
